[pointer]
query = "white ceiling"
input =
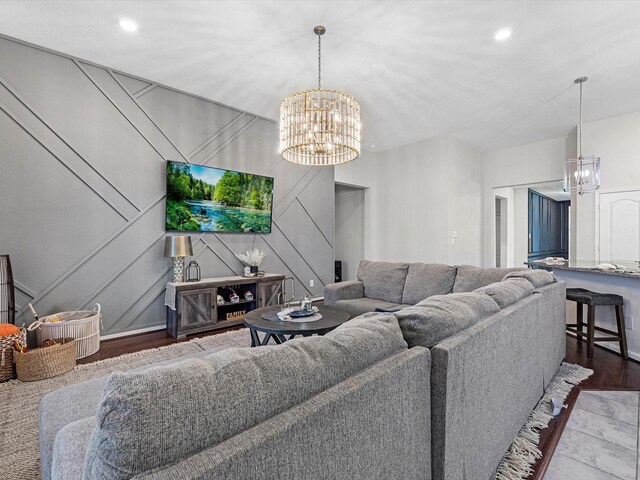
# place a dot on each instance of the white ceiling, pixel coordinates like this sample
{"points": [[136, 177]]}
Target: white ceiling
{"points": [[419, 68]]}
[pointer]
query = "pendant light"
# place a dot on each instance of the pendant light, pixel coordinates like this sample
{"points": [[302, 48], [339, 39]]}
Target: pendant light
{"points": [[581, 174], [319, 127]]}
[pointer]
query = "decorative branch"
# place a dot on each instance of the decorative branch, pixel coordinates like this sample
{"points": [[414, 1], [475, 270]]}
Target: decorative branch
{"points": [[252, 257]]}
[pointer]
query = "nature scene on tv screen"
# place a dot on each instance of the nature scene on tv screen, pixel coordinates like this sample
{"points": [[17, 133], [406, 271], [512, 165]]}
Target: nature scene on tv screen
{"points": [[214, 200]]}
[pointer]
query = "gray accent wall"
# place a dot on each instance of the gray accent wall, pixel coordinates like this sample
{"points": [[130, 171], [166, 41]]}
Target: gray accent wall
{"points": [[82, 188]]}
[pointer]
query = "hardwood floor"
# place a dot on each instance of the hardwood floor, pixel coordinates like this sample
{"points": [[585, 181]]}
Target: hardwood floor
{"points": [[143, 341], [610, 372]]}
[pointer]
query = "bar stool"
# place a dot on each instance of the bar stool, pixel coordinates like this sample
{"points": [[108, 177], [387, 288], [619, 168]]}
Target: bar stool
{"points": [[592, 299]]}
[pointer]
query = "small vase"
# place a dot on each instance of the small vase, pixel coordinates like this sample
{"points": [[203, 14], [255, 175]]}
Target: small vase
{"points": [[253, 268]]}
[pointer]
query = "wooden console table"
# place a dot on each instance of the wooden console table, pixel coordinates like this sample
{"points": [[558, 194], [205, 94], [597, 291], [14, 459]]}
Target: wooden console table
{"points": [[195, 308]]}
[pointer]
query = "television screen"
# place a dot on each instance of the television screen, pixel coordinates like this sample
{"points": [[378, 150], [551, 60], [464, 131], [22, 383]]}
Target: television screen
{"points": [[210, 199]]}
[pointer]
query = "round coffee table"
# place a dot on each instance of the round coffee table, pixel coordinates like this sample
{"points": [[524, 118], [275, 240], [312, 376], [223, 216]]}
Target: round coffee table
{"points": [[281, 331]]}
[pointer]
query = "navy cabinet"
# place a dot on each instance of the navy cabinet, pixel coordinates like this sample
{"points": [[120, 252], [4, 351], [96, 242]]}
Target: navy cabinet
{"points": [[548, 227]]}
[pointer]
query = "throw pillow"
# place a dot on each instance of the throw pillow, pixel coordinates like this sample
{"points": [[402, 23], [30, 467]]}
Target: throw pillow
{"points": [[507, 292], [538, 278], [427, 279], [441, 316], [469, 277], [383, 280]]}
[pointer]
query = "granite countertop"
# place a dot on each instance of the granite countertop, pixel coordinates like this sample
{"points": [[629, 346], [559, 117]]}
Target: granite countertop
{"points": [[624, 268]]}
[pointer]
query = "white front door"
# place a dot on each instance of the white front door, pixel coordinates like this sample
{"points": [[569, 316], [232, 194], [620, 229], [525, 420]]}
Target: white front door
{"points": [[619, 226]]}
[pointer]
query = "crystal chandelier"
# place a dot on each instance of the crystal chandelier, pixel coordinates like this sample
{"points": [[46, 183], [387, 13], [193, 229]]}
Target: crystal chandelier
{"points": [[581, 174], [319, 127]]}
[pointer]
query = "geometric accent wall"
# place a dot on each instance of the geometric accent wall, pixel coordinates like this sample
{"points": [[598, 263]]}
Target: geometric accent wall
{"points": [[82, 189]]}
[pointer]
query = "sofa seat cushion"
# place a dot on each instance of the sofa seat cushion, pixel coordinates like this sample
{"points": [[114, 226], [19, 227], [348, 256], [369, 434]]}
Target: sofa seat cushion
{"points": [[538, 278], [428, 279], [358, 306], [441, 316], [507, 292], [383, 280], [164, 414], [468, 278]]}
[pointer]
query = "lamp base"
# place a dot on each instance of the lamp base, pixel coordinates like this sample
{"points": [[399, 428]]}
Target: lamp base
{"points": [[177, 268]]}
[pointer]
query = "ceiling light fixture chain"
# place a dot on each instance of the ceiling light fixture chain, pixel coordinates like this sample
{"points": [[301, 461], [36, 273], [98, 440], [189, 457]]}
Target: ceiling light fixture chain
{"points": [[319, 31], [580, 81]]}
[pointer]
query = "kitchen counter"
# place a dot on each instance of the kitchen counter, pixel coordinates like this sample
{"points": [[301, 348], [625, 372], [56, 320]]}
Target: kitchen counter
{"points": [[626, 268], [621, 281]]}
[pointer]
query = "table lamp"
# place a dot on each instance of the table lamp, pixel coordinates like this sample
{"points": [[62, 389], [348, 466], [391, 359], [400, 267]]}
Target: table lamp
{"points": [[177, 247]]}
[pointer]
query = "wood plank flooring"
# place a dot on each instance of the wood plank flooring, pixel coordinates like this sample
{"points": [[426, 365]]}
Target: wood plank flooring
{"points": [[144, 341], [610, 372]]}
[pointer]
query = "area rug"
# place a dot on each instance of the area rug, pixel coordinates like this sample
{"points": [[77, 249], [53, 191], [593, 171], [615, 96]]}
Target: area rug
{"points": [[524, 451], [19, 451]]}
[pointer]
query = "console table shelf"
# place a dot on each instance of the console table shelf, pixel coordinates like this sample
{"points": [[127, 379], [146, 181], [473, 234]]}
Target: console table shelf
{"points": [[195, 308]]}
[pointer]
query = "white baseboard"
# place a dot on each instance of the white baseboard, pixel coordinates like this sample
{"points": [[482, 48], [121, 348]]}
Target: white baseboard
{"points": [[160, 327], [132, 332]]}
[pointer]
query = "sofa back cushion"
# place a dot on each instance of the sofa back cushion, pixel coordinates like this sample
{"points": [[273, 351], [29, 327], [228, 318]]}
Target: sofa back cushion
{"points": [[537, 278], [507, 292], [383, 280], [156, 417], [427, 279], [438, 317], [468, 277]]}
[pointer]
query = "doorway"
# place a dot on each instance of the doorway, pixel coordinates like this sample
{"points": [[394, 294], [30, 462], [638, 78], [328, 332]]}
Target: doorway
{"points": [[511, 240], [350, 224]]}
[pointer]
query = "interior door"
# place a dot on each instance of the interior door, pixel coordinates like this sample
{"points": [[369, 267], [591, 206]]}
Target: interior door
{"points": [[619, 226]]}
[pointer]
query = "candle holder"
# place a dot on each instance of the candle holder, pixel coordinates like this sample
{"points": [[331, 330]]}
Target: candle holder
{"points": [[193, 271]]}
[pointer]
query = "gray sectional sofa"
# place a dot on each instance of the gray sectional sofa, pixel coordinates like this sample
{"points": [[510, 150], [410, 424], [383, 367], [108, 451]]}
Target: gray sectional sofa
{"points": [[436, 390], [394, 285]]}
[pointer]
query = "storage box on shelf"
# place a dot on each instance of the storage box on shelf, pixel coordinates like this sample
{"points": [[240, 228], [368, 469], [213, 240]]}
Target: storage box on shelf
{"points": [[192, 307]]}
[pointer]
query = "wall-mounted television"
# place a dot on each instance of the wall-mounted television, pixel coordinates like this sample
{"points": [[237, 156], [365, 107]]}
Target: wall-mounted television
{"points": [[207, 199]]}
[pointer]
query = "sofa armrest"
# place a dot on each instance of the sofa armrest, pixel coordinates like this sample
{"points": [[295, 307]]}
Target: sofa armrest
{"points": [[343, 291]]}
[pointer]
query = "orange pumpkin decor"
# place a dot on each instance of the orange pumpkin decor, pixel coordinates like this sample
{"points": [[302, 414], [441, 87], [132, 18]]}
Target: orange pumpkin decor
{"points": [[8, 329]]}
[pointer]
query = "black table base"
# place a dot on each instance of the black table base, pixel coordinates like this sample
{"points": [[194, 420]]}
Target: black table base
{"points": [[260, 322], [278, 338]]}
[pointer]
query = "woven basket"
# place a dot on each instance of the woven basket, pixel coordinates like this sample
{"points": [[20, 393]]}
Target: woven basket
{"points": [[46, 362], [83, 325], [7, 369]]}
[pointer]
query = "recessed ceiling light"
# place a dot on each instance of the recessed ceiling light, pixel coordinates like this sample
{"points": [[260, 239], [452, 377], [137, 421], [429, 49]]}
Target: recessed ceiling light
{"points": [[373, 146], [502, 34], [128, 24]]}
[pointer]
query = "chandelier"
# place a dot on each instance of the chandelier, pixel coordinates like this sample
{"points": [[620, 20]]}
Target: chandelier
{"points": [[581, 174], [319, 127]]}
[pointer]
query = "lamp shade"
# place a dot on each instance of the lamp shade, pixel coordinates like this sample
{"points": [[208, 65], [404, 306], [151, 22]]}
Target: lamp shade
{"points": [[178, 246]]}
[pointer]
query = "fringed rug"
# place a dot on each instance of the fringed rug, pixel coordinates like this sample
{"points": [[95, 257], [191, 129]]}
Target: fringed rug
{"points": [[19, 451], [524, 451]]}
